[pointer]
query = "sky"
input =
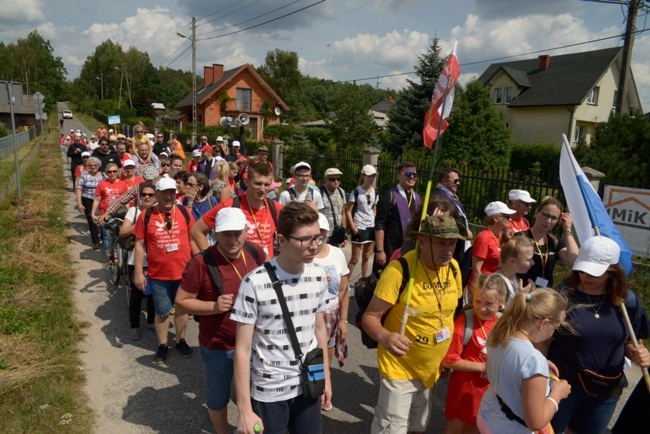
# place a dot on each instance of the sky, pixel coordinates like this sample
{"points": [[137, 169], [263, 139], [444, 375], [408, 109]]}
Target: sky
{"points": [[334, 39]]}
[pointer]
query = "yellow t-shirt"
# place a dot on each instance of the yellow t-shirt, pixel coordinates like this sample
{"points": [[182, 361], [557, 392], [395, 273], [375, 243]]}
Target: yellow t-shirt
{"points": [[135, 142], [422, 361]]}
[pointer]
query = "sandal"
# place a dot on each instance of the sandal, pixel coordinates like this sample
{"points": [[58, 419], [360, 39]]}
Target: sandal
{"points": [[135, 335]]}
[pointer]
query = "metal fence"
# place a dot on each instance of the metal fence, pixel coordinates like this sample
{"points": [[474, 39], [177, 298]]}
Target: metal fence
{"points": [[22, 138], [349, 163]]}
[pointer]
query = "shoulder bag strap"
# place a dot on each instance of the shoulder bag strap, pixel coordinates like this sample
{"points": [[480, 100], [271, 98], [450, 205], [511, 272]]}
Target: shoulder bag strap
{"points": [[210, 262], [277, 286]]}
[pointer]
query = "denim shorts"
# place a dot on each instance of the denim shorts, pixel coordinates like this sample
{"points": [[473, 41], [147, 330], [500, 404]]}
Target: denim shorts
{"points": [[164, 293], [583, 413], [218, 373]]}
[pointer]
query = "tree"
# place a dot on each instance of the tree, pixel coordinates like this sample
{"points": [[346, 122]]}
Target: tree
{"points": [[620, 149], [352, 126], [407, 116], [281, 72]]}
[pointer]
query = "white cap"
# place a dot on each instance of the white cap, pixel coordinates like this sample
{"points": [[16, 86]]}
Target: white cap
{"points": [[323, 224], [230, 219], [110, 131], [300, 166], [498, 207], [72, 131], [85, 154], [166, 184], [196, 153], [128, 163], [333, 171], [236, 144], [79, 131], [596, 255], [220, 139], [150, 135], [368, 170], [521, 195]]}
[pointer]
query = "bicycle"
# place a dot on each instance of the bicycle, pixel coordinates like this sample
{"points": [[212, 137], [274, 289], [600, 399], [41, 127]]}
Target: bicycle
{"points": [[117, 269]]}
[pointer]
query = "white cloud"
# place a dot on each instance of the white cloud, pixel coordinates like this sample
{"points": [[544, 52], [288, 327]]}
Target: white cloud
{"points": [[21, 11], [316, 68]]}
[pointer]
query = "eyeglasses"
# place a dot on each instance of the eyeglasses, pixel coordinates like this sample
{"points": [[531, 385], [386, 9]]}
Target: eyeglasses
{"points": [[111, 171], [147, 195], [139, 132], [410, 174], [547, 216], [303, 176], [307, 242], [85, 157], [334, 179], [503, 216], [160, 137], [168, 221]]}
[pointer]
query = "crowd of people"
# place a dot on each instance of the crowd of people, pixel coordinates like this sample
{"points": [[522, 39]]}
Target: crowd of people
{"points": [[265, 274]]}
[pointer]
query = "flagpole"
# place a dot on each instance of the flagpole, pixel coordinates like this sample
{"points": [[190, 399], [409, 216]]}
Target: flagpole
{"points": [[425, 206], [626, 316]]}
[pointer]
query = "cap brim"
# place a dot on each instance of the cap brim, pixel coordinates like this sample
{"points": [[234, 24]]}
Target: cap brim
{"points": [[591, 268], [448, 235]]}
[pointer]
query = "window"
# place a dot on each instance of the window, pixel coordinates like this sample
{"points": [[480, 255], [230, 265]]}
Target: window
{"points": [[592, 98], [579, 133], [508, 92], [498, 96], [244, 97], [615, 99]]}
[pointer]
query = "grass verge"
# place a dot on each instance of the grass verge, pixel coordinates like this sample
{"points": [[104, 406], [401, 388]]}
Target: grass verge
{"points": [[41, 383], [90, 122]]}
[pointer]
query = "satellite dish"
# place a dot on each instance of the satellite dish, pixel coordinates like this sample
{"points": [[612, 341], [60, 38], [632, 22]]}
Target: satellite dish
{"points": [[277, 111], [225, 121]]}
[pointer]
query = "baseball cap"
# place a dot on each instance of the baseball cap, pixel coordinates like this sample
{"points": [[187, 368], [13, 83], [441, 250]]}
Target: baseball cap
{"points": [[128, 163], [498, 207], [368, 170], [441, 227], [219, 139], [166, 184], [323, 224], [301, 165], [77, 134], [85, 154], [230, 219], [110, 131], [596, 255], [206, 148], [112, 139], [333, 171], [235, 144], [196, 153], [521, 195]]}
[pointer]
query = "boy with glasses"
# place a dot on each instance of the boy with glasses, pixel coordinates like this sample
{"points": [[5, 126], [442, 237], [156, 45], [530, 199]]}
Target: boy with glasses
{"points": [[275, 402], [301, 191]]}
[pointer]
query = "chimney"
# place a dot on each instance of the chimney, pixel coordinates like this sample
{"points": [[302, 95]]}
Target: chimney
{"points": [[208, 76], [390, 98], [544, 62], [218, 71]]}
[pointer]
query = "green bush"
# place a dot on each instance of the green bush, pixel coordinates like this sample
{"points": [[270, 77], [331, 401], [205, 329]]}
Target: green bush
{"points": [[3, 131], [524, 157]]}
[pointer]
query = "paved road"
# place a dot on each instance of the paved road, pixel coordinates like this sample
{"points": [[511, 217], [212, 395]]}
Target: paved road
{"points": [[131, 394]]}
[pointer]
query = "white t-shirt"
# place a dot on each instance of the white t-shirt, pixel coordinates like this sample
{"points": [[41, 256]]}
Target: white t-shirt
{"points": [[275, 375], [132, 217], [507, 368], [335, 266], [364, 217], [311, 193]]}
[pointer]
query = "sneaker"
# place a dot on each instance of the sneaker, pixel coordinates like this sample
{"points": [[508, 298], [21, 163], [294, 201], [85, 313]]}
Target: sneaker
{"points": [[185, 349], [161, 354]]}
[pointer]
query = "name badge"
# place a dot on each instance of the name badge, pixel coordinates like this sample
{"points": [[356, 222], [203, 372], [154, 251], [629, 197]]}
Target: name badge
{"points": [[443, 334], [540, 281], [171, 247]]}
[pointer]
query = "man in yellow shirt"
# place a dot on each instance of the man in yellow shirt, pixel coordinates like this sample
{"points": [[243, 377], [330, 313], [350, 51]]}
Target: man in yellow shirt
{"points": [[409, 364]]}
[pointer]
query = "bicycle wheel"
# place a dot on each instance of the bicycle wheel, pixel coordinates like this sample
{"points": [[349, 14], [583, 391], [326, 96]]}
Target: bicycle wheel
{"points": [[128, 278], [116, 273]]}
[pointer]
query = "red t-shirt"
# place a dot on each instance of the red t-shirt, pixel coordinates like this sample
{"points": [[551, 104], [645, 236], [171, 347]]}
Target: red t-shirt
{"points": [[192, 166], [108, 192], [168, 251], [519, 225], [467, 388], [486, 247], [217, 332], [261, 226], [125, 158], [79, 170]]}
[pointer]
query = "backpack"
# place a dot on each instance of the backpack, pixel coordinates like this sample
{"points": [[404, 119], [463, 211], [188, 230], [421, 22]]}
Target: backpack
{"points": [[364, 289], [149, 212], [293, 195], [469, 325]]}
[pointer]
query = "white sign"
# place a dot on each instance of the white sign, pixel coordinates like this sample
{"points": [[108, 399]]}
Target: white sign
{"points": [[629, 209], [41, 116], [113, 120]]}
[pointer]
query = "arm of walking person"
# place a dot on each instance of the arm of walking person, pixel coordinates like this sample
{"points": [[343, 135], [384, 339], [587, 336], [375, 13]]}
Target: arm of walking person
{"points": [[139, 279], [321, 338], [477, 264], [190, 303], [538, 408], [247, 418], [395, 343], [93, 211], [121, 201], [80, 205], [127, 228], [344, 304], [198, 232], [569, 253]]}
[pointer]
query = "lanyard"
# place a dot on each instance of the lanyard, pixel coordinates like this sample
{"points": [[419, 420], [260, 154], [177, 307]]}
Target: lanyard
{"points": [[514, 282], [242, 255], [544, 257], [257, 228], [170, 230]]}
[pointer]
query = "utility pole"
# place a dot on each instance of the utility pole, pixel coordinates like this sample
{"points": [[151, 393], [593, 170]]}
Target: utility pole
{"points": [[13, 137], [626, 60], [193, 39], [119, 104]]}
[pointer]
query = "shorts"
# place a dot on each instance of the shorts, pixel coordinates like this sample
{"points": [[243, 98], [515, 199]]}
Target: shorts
{"points": [[363, 236], [218, 373], [164, 293], [402, 406], [297, 415]]}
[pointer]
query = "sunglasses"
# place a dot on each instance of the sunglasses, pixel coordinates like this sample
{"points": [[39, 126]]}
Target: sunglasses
{"points": [[455, 181], [410, 174], [168, 221], [111, 171], [368, 198], [160, 137], [334, 179], [85, 157], [139, 132], [147, 195], [164, 164]]}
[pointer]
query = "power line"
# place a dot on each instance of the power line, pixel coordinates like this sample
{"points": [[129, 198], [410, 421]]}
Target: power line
{"points": [[503, 57], [263, 23], [243, 7], [176, 58], [216, 12]]}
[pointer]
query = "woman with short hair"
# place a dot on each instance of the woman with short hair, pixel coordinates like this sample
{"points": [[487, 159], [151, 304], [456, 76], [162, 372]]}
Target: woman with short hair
{"points": [[85, 195]]}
